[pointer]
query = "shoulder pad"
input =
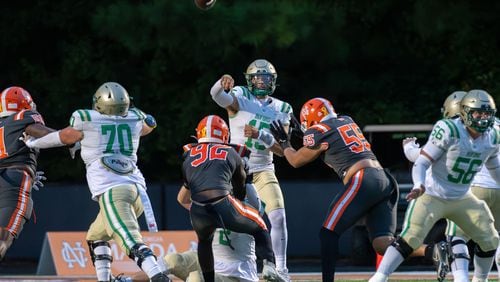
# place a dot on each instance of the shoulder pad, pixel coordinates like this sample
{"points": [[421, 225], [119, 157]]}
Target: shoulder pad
{"points": [[83, 115], [321, 127], [188, 147]]}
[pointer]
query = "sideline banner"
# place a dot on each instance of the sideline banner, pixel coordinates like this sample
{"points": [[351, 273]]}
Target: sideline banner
{"points": [[67, 253]]}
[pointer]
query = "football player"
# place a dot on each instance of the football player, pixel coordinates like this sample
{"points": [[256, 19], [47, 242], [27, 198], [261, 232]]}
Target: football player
{"points": [[251, 109], [484, 187], [369, 191], [454, 153], [17, 162], [109, 134], [214, 182]]}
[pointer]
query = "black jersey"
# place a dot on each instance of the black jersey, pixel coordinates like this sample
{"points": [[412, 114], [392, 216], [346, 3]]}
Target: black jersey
{"points": [[13, 151], [347, 144], [209, 166]]}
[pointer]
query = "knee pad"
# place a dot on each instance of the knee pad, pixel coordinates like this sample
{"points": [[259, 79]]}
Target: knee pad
{"points": [[402, 247], [459, 250], [482, 254], [99, 250], [139, 252]]}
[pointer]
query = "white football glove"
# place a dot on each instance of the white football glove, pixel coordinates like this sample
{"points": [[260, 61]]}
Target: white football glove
{"points": [[37, 181], [411, 148], [72, 150]]}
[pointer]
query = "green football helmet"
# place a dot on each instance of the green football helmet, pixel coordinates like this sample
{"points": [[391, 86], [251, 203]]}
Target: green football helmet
{"points": [[111, 99], [261, 78], [478, 101], [451, 107]]}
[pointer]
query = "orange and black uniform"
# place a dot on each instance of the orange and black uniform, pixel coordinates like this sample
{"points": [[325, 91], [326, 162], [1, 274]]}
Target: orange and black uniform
{"points": [[17, 169], [219, 169], [369, 191]]}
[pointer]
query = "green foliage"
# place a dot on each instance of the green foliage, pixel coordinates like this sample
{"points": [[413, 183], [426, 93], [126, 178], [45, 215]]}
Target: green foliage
{"points": [[384, 61]]}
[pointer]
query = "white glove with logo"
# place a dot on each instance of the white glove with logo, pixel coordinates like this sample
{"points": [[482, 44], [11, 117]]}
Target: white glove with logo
{"points": [[411, 148], [37, 181]]}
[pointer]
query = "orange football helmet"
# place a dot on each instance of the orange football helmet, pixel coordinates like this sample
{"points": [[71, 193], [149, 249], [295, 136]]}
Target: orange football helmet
{"points": [[15, 99], [212, 128], [314, 111]]}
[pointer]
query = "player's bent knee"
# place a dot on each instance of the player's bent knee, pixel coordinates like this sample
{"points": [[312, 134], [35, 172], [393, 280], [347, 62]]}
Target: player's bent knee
{"points": [[402, 247], [488, 243], [380, 244], [483, 254], [139, 252]]}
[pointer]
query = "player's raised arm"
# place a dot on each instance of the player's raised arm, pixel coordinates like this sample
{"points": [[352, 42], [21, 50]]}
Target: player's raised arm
{"points": [[221, 94]]}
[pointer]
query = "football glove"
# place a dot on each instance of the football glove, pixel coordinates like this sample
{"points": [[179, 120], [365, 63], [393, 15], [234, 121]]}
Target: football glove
{"points": [[37, 181], [280, 134]]}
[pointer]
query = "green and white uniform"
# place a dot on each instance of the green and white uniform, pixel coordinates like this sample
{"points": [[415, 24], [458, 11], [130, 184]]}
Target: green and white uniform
{"points": [[457, 158], [259, 114], [106, 135]]}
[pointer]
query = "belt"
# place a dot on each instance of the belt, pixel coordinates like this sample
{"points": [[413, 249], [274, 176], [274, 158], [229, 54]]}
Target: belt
{"points": [[215, 201], [358, 166]]}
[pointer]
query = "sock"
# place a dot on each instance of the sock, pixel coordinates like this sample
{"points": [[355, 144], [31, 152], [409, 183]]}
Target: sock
{"points": [[482, 266], [392, 259], [102, 266], [329, 251], [460, 266], [279, 236], [150, 266]]}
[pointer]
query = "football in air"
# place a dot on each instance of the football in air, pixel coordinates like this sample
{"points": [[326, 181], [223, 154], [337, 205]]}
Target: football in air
{"points": [[204, 4]]}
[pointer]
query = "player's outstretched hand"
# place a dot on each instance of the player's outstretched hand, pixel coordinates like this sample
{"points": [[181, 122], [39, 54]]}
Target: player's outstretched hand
{"points": [[415, 193], [37, 181], [280, 134]]}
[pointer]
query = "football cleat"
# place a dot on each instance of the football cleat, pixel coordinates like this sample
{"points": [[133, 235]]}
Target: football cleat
{"points": [[441, 258], [269, 272]]}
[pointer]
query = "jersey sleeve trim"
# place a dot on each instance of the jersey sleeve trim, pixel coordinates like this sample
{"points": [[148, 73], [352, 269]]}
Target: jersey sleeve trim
{"points": [[84, 115], [246, 92], [286, 108], [138, 113], [453, 128]]}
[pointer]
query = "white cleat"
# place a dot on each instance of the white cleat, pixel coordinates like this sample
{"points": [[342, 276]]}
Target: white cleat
{"points": [[379, 277], [269, 272]]}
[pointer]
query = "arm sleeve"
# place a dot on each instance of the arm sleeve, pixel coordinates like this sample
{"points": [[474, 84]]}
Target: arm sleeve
{"points": [[418, 172], [221, 97]]}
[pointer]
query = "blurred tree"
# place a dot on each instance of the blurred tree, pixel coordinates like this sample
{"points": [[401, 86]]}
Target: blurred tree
{"points": [[383, 61]]}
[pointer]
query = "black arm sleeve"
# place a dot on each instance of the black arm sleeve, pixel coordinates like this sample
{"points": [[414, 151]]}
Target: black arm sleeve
{"points": [[238, 181]]}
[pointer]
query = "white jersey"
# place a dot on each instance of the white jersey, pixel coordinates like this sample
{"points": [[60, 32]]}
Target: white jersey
{"points": [[453, 171], [239, 262], [483, 178], [257, 113], [108, 135]]}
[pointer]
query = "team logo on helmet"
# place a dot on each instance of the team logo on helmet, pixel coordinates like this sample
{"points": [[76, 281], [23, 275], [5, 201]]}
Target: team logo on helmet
{"points": [[315, 111]]}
